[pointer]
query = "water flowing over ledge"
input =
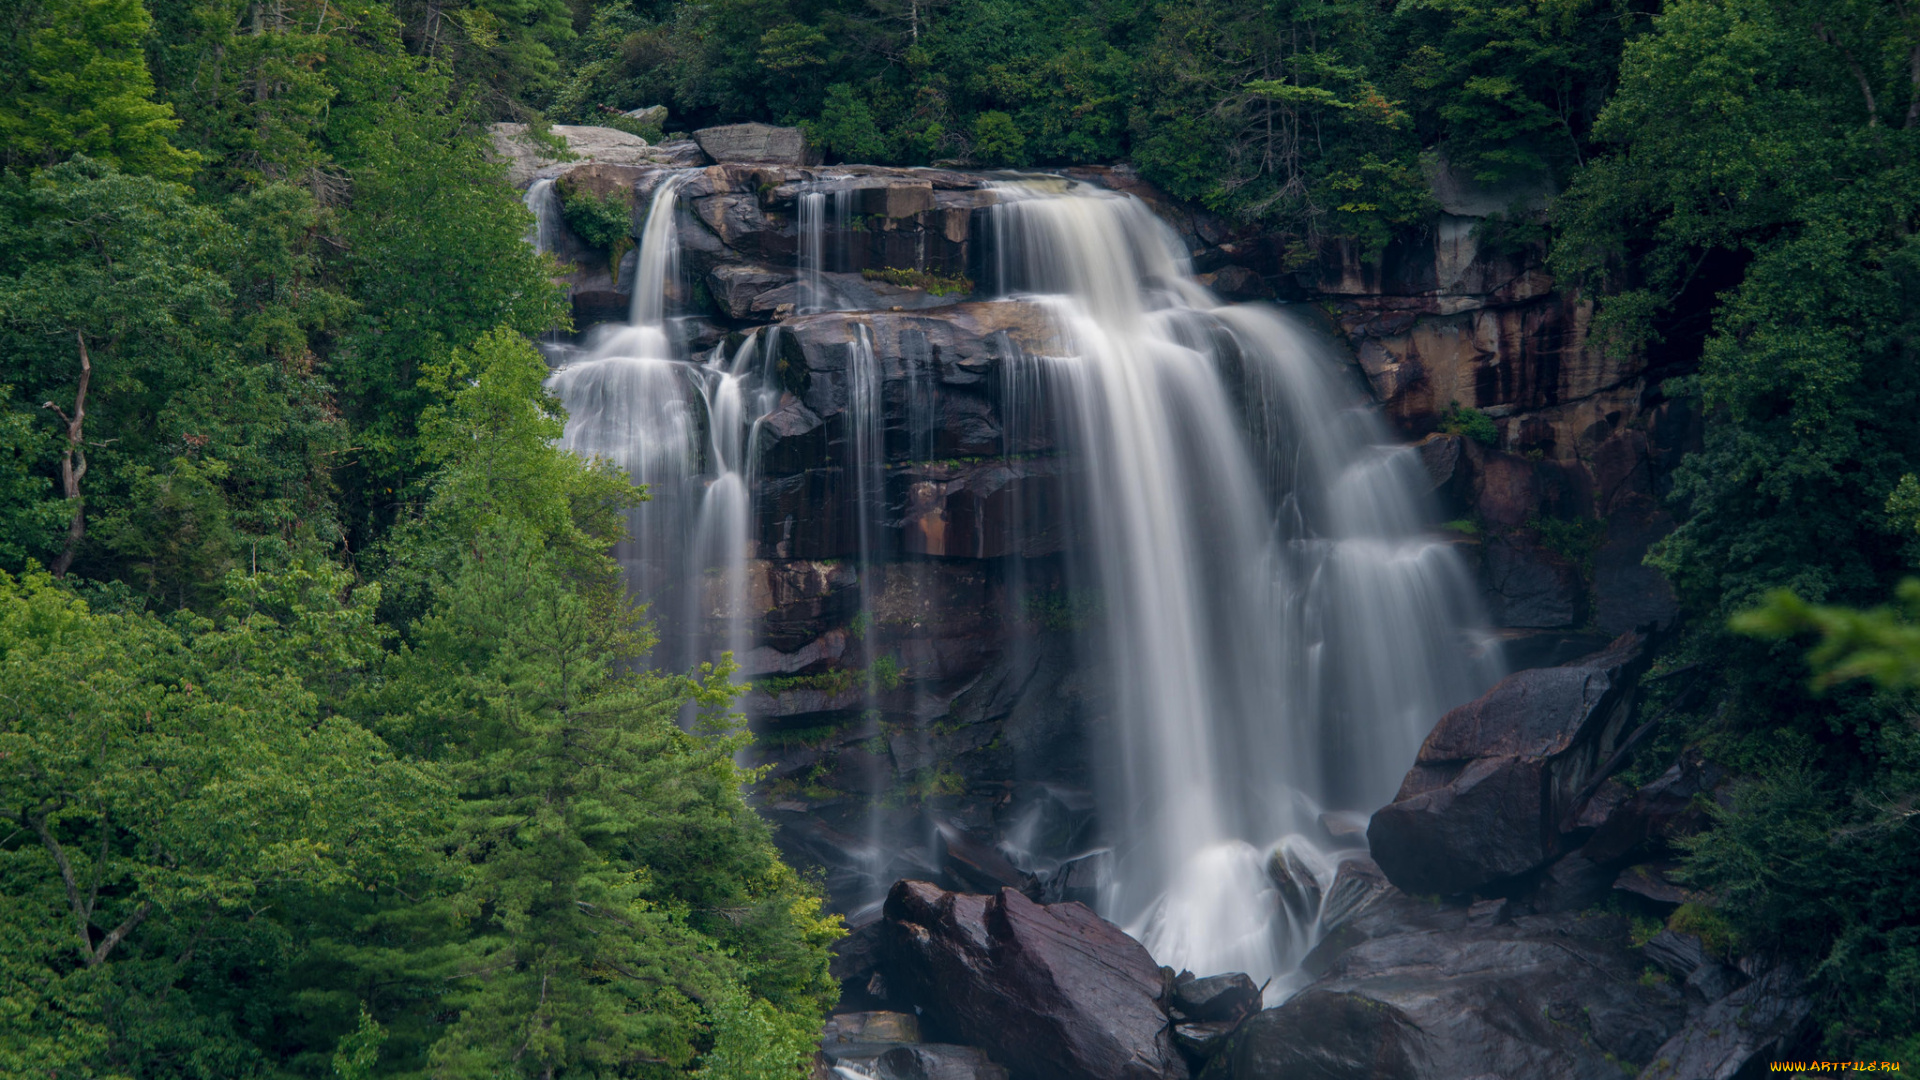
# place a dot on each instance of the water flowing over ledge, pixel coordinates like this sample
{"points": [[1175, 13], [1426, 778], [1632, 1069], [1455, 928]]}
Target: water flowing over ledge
{"points": [[1199, 498]]}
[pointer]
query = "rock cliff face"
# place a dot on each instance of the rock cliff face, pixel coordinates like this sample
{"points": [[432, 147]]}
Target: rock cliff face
{"points": [[938, 699]]}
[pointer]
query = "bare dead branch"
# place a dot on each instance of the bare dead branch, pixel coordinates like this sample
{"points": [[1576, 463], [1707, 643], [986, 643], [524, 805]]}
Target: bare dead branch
{"points": [[73, 467]]}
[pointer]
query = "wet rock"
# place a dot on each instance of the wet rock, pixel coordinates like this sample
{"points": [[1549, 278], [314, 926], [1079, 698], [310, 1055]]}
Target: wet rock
{"points": [[1755, 1023], [1659, 812], [1237, 283], [979, 865], [1201, 1040], [1676, 954], [893, 197], [1496, 776], [1627, 592], [744, 291], [1051, 991], [1545, 996], [983, 511], [682, 152], [1650, 882], [1703, 976], [1609, 797], [1572, 883], [1357, 883], [1079, 880], [1216, 997], [1489, 912], [1525, 649], [1299, 888], [756, 143], [1527, 586], [928, 1061]]}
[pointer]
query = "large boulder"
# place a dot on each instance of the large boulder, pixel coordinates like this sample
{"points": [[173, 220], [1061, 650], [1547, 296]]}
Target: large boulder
{"points": [[1543, 997], [757, 144], [1498, 777], [1052, 991]]}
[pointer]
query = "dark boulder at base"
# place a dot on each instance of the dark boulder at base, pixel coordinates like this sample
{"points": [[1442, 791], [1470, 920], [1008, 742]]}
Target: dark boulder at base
{"points": [[1216, 997], [1497, 777], [1052, 991], [1542, 997]]}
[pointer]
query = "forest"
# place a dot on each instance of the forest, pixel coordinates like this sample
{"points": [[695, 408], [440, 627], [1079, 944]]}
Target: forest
{"points": [[320, 756]]}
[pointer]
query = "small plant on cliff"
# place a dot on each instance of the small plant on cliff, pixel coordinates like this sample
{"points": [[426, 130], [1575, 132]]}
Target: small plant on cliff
{"points": [[936, 284], [603, 221], [1471, 423], [1576, 540]]}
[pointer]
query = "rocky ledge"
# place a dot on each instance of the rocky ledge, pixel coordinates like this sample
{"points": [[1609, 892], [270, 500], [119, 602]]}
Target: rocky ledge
{"points": [[1512, 927]]}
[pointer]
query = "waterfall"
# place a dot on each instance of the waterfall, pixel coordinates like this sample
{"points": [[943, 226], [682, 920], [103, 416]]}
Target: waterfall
{"points": [[681, 428], [823, 238], [1277, 624], [544, 201], [1279, 628]]}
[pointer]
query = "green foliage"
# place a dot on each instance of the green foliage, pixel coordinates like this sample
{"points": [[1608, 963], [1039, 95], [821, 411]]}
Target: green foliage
{"points": [[936, 284], [605, 222], [997, 139], [1065, 610], [183, 774], [1512, 88], [198, 322], [86, 90], [1471, 423], [1750, 199], [1716, 934], [1881, 644], [1576, 540], [847, 128], [1278, 113], [320, 824]]}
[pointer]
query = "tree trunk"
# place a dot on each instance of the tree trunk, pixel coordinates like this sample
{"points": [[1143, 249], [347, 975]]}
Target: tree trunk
{"points": [[73, 468]]}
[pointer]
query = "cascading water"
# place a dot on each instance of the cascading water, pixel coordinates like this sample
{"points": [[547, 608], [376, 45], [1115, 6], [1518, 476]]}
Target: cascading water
{"points": [[1279, 629], [544, 201], [682, 429], [1276, 623]]}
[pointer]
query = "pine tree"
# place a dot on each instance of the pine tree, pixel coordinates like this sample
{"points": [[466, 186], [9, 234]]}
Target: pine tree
{"points": [[89, 92]]}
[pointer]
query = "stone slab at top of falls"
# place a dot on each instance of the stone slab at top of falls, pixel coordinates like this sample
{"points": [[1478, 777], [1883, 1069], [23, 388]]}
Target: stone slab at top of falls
{"points": [[529, 160]]}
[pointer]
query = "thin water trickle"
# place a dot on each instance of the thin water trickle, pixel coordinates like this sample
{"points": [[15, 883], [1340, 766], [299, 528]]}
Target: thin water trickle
{"points": [[823, 223]]}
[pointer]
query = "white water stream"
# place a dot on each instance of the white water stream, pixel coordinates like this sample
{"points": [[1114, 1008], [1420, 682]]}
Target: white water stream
{"points": [[1279, 626]]}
